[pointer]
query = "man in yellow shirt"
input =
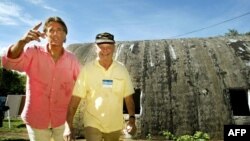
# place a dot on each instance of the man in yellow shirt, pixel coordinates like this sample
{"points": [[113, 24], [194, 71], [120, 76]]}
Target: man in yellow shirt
{"points": [[103, 84]]}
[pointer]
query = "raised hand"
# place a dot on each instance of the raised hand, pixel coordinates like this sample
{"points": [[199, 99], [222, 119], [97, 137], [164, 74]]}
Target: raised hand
{"points": [[33, 34]]}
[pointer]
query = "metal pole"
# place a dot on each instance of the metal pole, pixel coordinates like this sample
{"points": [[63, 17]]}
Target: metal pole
{"points": [[248, 98], [9, 118]]}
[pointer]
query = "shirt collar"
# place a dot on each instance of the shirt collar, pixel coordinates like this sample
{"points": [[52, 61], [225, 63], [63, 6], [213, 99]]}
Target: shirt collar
{"points": [[46, 49], [96, 62]]}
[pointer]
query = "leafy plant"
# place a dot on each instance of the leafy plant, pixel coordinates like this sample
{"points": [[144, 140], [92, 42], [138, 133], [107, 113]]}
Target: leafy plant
{"points": [[168, 135], [201, 135], [185, 138], [198, 136], [149, 136]]}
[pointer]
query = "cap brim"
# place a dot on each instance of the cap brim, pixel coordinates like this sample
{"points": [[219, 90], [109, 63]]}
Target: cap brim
{"points": [[98, 41]]}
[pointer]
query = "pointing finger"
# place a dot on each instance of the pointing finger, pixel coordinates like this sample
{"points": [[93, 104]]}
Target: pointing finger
{"points": [[37, 26]]}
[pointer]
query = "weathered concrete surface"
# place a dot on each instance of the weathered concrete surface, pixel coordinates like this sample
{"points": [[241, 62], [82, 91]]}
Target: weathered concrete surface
{"points": [[184, 82]]}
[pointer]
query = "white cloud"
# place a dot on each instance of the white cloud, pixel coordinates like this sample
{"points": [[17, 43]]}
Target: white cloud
{"points": [[13, 14], [3, 50], [43, 4], [8, 13], [7, 20], [35, 1], [9, 9], [50, 8], [28, 19]]}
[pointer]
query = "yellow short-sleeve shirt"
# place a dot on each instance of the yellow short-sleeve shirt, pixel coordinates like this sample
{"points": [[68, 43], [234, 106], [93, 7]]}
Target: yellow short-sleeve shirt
{"points": [[103, 91]]}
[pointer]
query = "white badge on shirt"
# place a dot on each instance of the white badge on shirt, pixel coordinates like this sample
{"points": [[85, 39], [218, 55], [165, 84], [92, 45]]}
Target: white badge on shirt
{"points": [[107, 83]]}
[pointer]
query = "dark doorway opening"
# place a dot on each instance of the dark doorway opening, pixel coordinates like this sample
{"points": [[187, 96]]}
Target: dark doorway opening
{"points": [[137, 101], [239, 102]]}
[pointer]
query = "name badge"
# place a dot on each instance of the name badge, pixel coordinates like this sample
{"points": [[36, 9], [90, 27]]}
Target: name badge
{"points": [[107, 83]]}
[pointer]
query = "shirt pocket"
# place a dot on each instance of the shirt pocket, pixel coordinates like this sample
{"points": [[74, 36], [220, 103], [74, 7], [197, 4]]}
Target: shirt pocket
{"points": [[66, 88], [118, 86]]}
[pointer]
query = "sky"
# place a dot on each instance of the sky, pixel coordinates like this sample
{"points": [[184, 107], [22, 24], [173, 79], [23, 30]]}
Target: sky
{"points": [[128, 20]]}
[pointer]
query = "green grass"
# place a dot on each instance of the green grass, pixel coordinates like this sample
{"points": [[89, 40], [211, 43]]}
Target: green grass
{"points": [[17, 132], [17, 125]]}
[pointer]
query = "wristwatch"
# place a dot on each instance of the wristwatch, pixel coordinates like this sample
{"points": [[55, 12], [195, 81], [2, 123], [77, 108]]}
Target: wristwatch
{"points": [[132, 116]]}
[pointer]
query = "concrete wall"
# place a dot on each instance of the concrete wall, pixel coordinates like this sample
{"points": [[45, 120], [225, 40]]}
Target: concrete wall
{"points": [[184, 83]]}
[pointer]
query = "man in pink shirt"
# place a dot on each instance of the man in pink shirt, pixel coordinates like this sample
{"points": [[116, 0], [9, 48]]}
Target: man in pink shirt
{"points": [[52, 72]]}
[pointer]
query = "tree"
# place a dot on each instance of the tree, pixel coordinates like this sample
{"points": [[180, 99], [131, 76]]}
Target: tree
{"points": [[11, 82], [247, 33], [232, 32]]}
